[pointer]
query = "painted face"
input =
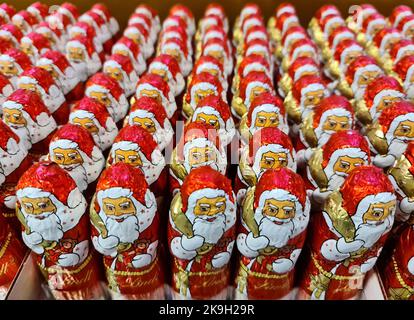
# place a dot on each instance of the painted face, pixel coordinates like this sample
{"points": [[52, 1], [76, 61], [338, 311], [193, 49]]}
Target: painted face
{"points": [[351, 56], [257, 91], [37, 206], [305, 53], [212, 71], [209, 118], [378, 212], [273, 160], [29, 86], [200, 94], [146, 123], [218, 54], [130, 157], [121, 52], [102, 97], [14, 117], [405, 129], [386, 102], [210, 206], [160, 72], [313, 98], [336, 123], [49, 68], [291, 24], [134, 36], [114, 73], [76, 54], [86, 123], [67, 157], [366, 77], [267, 120], [28, 49], [8, 69], [48, 35], [118, 207], [346, 164], [409, 33], [21, 24], [283, 210], [200, 155], [174, 53]]}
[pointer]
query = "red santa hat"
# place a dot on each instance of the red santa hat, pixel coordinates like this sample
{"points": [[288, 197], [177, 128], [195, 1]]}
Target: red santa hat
{"points": [[267, 102], [208, 62], [253, 62], [52, 33], [98, 23], [104, 12], [184, 12], [179, 44], [384, 36], [175, 32], [249, 8], [405, 24], [40, 10], [37, 40], [271, 139], [69, 10], [82, 28], [357, 67], [400, 49], [83, 42], [362, 185], [250, 21], [257, 32], [344, 143], [125, 44], [204, 81], [302, 46], [149, 11], [383, 86], [325, 10], [285, 20], [19, 58], [339, 34], [252, 80], [7, 11], [95, 110], [390, 117], [293, 34], [75, 137], [398, 13], [212, 21], [125, 65], [343, 48], [142, 18], [11, 32], [404, 68], [9, 141], [281, 184], [214, 32], [215, 44], [283, 8], [302, 66], [138, 29], [203, 178], [330, 20], [140, 139], [155, 82], [172, 68], [150, 107], [47, 178], [5, 45], [372, 22], [26, 17], [56, 58], [60, 22], [124, 177], [307, 84]]}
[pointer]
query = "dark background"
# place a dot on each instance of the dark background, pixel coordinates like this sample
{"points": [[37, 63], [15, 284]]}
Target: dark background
{"points": [[121, 9]]}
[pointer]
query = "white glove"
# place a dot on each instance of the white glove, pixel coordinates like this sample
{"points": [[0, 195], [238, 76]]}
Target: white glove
{"points": [[348, 247], [141, 260], [258, 243], [193, 243], [68, 260], [368, 265], [33, 238], [220, 259], [108, 242], [282, 265]]}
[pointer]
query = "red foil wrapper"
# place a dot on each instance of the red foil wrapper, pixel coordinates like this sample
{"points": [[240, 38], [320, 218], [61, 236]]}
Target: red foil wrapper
{"points": [[348, 235], [201, 235], [270, 241]]}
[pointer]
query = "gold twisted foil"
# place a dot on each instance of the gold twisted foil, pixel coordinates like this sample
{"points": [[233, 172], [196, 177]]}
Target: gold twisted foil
{"points": [[316, 169], [179, 218], [403, 177], [248, 212], [238, 105], [308, 132], [361, 112], [177, 168], [292, 108], [246, 170], [377, 138]]}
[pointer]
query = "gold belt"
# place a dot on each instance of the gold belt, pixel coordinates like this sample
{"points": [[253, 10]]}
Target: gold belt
{"points": [[132, 273], [66, 271], [399, 277], [263, 275], [200, 273], [6, 244], [330, 275]]}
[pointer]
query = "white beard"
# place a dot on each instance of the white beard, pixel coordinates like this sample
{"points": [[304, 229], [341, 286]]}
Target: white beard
{"points": [[105, 139], [278, 235], [10, 162], [127, 231], [49, 228], [152, 171], [397, 146], [24, 135], [81, 70], [324, 137], [410, 91], [210, 231], [335, 181], [78, 174], [370, 233]]}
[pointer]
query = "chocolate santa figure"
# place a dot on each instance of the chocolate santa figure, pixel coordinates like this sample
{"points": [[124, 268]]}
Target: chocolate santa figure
{"points": [[109, 19], [137, 33], [11, 258], [107, 91], [199, 146], [121, 68], [268, 148], [70, 11], [218, 48], [185, 13], [11, 33], [63, 73], [401, 176], [82, 55], [84, 29], [167, 67], [94, 117], [25, 21], [34, 44], [12, 63], [405, 26], [7, 11], [266, 111], [57, 38], [379, 94], [405, 70], [51, 210], [26, 114], [126, 231], [74, 150], [39, 10], [210, 65], [149, 114], [329, 165], [398, 13], [201, 235], [150, 13], [40, 81], [135, 146], [97, 22], [348, 235], [6, 89], [390, 134], [275, 215], [250, 87], [215, 112], [154, 86], [177, 48], [127, 47], [301, 48]]}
